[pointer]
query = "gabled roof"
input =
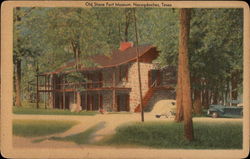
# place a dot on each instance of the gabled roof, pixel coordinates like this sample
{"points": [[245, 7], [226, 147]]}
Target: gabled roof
{"points": [[116, 58], [119, 57]]}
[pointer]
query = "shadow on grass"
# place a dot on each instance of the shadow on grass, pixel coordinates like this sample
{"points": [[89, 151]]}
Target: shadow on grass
{"points": [[83, 137]]}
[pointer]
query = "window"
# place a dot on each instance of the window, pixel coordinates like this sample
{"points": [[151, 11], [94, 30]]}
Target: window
{"points": [[123, 73]]}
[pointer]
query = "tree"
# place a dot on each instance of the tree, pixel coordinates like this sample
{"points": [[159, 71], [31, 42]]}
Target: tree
{"points": [[184, 78], [22, 49], [215, 52]]}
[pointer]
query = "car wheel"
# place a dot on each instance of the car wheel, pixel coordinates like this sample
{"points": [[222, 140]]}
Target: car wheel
{"points": [[157, 116], [215, 115]]}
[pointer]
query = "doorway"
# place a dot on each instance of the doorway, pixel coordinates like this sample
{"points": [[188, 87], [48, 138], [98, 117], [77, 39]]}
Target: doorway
{"points": [[154, 78], [122, 102]]}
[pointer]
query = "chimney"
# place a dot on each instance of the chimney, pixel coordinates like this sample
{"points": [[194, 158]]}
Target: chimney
{"points": [[125, 45]]}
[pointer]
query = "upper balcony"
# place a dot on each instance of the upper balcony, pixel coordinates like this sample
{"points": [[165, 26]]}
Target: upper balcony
{"points": [[82, 86]]}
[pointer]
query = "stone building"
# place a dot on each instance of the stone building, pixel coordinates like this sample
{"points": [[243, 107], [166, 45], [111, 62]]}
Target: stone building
{"points": [[113, 83]]}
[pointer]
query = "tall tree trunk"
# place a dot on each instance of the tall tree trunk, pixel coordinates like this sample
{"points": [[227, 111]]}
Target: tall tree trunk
{"points": [[204, 95], [18, 83], [179, 106], [209, 97], [197, 102], [78, 101], [234, 84], [126, 33], [215, 96], [127, 23], [186, 88], [50, 94], [18, 67]]}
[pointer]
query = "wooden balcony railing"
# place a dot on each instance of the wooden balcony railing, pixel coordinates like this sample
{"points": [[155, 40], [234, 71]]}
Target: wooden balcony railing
{"points": [[87, 85]]}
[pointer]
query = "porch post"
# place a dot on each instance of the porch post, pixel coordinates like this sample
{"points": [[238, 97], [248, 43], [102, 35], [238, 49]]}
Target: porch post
{"points": [[37, 91], [63, 89], [45, 90], [37, 86], [78, 101], [86, 99], [54, 90], [50, 88], [114, 91]]}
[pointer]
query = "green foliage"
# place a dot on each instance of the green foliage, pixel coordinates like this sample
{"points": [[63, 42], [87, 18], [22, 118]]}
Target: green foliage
{"points": [[160, 28], [76, 77], [209, 135], [34, 128], [216, 42]]}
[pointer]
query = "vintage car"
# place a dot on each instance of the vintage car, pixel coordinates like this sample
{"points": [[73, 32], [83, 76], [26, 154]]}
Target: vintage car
{"points": [[216, 111], [164, 108], [166, 115]]}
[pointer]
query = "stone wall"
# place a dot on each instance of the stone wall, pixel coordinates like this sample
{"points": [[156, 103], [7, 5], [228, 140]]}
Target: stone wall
{"points": [[131, 83], [134, 85], [107, 100]]}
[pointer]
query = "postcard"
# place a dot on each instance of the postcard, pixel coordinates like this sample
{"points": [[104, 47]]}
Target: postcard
{"points": [[125, 79]]}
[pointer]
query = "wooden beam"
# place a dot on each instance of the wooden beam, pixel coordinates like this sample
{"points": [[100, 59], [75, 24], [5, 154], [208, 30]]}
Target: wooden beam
{"points": [[37, 92], [114, 91], [63, 92], [86, 98], [93, 89], [78, 100], [99, 100], [91, 102], [54, 94], [45, 87], [49, 91]]}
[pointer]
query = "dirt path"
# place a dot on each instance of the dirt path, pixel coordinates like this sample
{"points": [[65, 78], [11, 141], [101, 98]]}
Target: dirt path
{"points": [[112, 121]]}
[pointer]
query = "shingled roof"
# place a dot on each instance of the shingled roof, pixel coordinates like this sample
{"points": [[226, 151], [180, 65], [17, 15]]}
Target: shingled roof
{"points": [[119, 57], [116, 58]]}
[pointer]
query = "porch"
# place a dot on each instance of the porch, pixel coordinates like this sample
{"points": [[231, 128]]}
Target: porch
{"points": [[94, 100]]}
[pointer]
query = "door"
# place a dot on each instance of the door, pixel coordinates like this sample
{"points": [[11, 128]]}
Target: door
{"points": [[89, 102], [122, 102], [154, 78]]}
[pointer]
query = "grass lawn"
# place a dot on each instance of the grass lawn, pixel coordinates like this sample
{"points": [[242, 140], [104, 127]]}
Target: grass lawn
{"points": [[209, 135], [83, 137], [35, 128], [42, 111]]}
